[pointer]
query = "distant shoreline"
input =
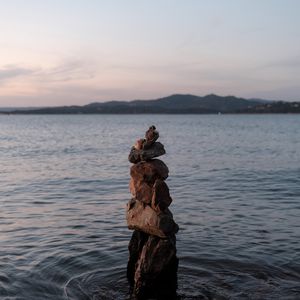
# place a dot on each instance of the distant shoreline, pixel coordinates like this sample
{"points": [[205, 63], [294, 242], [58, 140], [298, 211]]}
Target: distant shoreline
{"points": [[174, 104], [135, 114]]}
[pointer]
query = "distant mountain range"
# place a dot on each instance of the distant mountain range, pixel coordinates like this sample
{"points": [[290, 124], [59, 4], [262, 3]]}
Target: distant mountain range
{"points": [[174, 104]]}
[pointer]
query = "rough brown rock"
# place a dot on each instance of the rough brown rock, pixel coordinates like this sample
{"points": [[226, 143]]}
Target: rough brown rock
{"points": [[135, 247], [132, 187], [142, 217], [157, 266], [151, 136], [141, 190], [149, 171], [156, 149], [161, 198], [152, 266], [139, 144], [134, 155]]}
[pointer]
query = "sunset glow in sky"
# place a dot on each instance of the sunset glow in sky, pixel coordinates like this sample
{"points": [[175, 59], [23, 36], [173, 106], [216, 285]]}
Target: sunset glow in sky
{"points": [[62, 52]]}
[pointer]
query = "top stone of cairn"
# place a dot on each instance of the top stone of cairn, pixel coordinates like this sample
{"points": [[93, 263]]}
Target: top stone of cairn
{"points": [[147, 148]]}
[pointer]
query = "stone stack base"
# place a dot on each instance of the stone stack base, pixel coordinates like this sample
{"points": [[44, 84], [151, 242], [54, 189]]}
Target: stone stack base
{"points": [[152, 266]]}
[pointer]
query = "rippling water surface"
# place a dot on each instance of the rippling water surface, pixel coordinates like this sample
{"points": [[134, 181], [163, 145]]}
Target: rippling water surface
{"points": [[235, 183]]}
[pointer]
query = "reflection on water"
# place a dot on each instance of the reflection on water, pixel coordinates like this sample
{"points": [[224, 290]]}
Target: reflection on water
{"points": [[235, 182]]}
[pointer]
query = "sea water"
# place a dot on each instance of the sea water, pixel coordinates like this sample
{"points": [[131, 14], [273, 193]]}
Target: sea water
{"points": [[235, 184]]}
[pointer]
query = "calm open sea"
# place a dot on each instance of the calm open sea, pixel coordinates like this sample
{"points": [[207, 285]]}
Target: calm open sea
{"points": [[235, 183]]}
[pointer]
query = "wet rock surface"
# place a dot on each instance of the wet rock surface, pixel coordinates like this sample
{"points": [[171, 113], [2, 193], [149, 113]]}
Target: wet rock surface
{"points": [[155, 150], [141, 190], [149, 170], [152, 265], [161, 198], [154, 269], [142, 217]]}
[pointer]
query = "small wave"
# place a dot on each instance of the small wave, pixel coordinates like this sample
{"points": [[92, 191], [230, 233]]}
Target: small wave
{"points": [[220, 280], [104, 284]]}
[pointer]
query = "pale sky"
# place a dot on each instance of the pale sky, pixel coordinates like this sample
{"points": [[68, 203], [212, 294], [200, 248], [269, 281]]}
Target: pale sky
{"points": [[62, 52]]}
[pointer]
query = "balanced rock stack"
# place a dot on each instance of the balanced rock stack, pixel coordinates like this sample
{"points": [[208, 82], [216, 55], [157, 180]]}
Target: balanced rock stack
{"points": [[152, 265]]}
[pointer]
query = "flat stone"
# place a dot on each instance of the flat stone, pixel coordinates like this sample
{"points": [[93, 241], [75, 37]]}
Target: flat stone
{"points": [[149, 171], [161, 198], [142, 217], [155, 149]]}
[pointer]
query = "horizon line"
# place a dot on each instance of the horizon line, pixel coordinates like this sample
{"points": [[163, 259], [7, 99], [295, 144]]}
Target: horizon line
{"points": [[131, 100]]}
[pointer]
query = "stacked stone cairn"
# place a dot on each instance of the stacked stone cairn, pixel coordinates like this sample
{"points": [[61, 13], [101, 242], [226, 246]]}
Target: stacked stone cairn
{"points": [[152, 265]]}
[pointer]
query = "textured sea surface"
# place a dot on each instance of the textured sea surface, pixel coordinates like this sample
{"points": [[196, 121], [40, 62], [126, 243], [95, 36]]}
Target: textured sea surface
{"points": [[235, 184]]}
